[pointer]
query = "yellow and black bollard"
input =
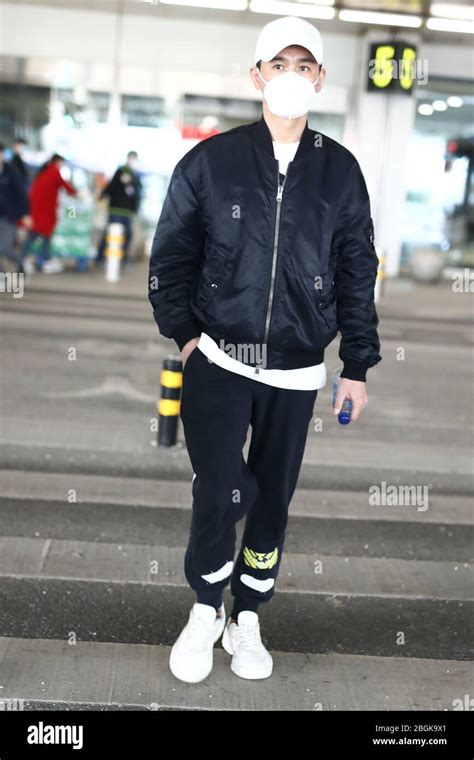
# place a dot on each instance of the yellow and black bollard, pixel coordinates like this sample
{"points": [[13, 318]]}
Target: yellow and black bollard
{"points": [[170, 400], [114, 251]]}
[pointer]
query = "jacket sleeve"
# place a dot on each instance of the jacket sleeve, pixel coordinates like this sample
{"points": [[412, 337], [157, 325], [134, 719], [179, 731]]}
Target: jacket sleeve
{"points": [[61, 182], [354, 279], [110, 186], [138, 192], [70, 189], [176, 256]]}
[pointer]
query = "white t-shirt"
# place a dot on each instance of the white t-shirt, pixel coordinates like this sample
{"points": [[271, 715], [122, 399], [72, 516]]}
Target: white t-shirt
{"points": [[284, 152], [302, 378]]}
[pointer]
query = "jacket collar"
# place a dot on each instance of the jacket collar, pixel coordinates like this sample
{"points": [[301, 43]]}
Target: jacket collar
{"points": [[264, 138]]}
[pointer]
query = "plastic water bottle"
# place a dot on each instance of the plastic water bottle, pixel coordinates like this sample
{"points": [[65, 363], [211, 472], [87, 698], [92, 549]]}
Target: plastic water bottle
{"points": [[344, 415]]}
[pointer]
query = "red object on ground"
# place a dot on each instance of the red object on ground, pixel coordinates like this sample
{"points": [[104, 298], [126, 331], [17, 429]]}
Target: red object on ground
{"points": [[43, 197]]}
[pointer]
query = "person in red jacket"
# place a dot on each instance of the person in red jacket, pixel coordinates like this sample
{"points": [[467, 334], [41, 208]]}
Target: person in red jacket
{"points": [[43, 196]]}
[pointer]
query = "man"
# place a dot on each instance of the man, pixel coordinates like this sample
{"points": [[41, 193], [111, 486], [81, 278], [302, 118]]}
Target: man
{"points": [[17, 160], [124, 194], [13, 208], [263, 250]]}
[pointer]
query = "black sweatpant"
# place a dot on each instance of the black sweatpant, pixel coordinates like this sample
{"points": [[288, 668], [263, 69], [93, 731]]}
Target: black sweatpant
{"points": [[217, 407]]}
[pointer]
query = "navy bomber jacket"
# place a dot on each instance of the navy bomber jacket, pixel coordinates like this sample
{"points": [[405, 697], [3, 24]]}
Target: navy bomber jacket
{"points": [[248, 258]]}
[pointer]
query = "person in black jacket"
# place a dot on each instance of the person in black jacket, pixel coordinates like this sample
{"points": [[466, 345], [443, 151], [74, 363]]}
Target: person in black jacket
{"points": [[13, 207], [264, 250], [124, 193], [17, 160]]}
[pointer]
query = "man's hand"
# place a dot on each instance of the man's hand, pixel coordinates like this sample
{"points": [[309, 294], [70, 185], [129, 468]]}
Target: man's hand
{"points": [[188, 348], [355, 391], [27, 221]]}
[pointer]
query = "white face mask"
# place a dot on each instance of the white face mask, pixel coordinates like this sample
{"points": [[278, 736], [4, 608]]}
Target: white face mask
{"points": [[289, 95]]}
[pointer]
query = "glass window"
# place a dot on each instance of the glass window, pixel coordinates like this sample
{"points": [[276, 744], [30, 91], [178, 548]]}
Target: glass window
{"points": [[438, 213], [139, 111]]}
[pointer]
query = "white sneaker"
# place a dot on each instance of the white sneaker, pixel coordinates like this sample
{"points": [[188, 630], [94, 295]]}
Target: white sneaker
{"points": [[192, 653], [52, 266], [250, 658], [29, 265]]}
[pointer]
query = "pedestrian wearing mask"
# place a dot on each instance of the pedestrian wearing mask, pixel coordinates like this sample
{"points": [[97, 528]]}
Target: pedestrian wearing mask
{"points": [[263, 252]]}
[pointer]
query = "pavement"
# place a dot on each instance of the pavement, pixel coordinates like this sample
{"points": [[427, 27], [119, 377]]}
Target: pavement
{"points": [[374, 601]]}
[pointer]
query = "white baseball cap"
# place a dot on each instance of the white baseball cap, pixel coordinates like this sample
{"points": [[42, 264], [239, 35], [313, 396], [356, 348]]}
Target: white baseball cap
{"points": [[286, 31]]}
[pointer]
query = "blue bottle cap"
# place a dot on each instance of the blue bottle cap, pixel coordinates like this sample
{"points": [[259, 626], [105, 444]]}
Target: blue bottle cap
{"points": [[344, 418]]}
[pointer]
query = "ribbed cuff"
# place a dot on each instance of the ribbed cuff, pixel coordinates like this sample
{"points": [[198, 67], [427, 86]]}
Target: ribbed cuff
{"points": [[244, 604], [185, 332], [354, 370]]}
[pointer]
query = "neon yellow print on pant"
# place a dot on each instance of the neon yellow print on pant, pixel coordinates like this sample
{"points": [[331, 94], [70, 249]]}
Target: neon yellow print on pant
{"points": [[260, 560]]}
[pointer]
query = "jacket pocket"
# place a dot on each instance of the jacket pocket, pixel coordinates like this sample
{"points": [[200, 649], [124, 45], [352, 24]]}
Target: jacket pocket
{"points": [[207, 289], [186, 365], [325, 299]]}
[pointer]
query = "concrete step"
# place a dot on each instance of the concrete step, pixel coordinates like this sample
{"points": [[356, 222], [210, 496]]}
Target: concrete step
{"points": [[313, 573], [346, 505], [112, 592], [173, 464], [72, 305], [84, 309], [101, 590], [168, 526], [94, 675]]}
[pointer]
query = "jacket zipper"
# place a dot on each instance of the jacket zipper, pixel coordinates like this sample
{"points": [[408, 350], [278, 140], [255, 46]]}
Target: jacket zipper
{"points": [[276, 233]]}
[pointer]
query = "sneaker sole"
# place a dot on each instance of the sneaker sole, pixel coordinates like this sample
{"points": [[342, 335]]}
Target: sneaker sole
{"points": [[226, 642], [251, 675], [184, 677]]}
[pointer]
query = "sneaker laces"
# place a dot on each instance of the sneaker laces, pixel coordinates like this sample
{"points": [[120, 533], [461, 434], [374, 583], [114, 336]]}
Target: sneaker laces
{"points": [[248, 637]]}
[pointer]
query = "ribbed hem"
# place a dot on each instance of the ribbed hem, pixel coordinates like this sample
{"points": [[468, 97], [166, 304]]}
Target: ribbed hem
{"points": [[354, 370], [121, 211], [185, 332], [294, 359]]}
